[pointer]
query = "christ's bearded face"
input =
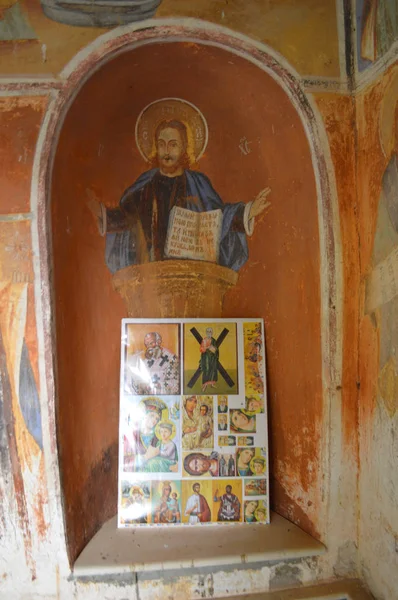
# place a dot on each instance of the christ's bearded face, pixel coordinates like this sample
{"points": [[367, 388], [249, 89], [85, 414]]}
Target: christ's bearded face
{"points": [[199, 465], [170, 149]]}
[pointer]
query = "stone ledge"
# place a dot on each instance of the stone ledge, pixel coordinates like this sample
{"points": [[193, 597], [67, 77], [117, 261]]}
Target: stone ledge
{"points": [[116, 551], [350, 589]]}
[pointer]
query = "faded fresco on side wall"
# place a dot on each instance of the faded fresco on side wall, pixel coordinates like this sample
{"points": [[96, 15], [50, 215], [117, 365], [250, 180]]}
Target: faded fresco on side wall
{"points": [[14, 25], [377, 29], [378, 414], [19, 385], [23, 485], [382, 284]]}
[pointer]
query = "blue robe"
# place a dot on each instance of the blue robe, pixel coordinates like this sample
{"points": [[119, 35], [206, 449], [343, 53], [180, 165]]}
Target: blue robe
{"points": [[128, 234]]}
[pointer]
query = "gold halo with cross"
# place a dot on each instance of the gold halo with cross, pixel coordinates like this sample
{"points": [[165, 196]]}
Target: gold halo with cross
{"points": [[168, 109]]}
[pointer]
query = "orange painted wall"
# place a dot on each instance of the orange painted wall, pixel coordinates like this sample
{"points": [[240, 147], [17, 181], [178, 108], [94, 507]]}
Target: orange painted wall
{"points": [[20, 121], [97, 152], [339, 114], [371, 165]]}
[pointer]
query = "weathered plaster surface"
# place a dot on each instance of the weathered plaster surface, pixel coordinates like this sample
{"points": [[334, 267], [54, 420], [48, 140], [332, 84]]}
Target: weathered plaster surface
{"points": [[303, 497], [339, 115], [297, 30], [364, 531], [378, 422], [20, 120], [304, 32]]}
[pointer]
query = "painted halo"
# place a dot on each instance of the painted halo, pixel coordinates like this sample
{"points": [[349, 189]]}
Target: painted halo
{"points": [[387, 116], [257, 458], [168, 109], [261, 508], [169, 424]]}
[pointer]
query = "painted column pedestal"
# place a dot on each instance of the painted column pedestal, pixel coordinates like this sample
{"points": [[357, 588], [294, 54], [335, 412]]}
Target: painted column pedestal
{"points": [[174, 288], [107, 13]]}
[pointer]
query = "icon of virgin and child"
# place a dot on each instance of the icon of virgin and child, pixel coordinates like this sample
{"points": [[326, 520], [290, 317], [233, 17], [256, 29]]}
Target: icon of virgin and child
{"points": [[197, 422], [172, 135], [148, 442]]}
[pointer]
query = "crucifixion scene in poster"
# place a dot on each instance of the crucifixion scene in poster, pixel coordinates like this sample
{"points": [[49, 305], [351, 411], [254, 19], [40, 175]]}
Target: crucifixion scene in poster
{"points": [[193, 445]]}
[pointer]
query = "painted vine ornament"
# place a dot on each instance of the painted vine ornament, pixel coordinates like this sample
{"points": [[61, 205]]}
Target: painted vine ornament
{"points": [[180, 458]]}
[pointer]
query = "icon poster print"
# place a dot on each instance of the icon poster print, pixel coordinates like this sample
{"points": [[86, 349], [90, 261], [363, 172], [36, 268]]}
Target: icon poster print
{"points": [[193, 445]]}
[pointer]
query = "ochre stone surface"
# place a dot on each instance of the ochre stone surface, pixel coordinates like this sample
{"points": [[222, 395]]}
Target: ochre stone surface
{"points": [[169, 288]]}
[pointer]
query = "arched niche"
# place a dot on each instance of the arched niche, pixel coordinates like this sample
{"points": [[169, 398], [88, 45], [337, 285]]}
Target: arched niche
{"points": [[262, 131]]}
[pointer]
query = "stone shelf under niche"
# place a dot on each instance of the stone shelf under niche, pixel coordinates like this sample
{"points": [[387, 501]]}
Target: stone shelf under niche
{"points": [[346, 589], [115, 551]]}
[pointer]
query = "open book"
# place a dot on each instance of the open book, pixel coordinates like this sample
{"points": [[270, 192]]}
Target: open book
{"points": [[194, 235]]}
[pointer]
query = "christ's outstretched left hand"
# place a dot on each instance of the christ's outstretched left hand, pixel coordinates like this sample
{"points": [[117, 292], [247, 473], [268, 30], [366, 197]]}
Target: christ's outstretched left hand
{"points": [[260, 203]]}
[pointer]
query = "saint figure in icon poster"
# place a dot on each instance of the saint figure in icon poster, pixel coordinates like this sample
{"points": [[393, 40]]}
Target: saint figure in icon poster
{"points": [[152, 370], [250, 509], [229, 509], [243, 460], [197, 507], [135, 503], [167, 509], [242, 421], [167, 448], [209, 360], [148, 445], [222, 422], [197, 425], [197, 464]]}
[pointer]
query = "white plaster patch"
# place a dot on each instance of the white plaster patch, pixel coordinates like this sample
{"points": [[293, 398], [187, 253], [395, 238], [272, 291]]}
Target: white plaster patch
{"points": [[379, 506]]}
